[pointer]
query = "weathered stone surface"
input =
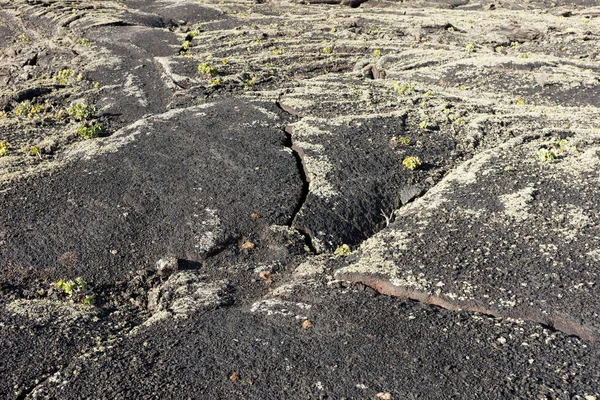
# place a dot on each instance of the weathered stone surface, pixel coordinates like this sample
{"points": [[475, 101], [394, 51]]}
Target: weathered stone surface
{"points": [[244, 142], [358, 345], [506, 233], [182, 183]]}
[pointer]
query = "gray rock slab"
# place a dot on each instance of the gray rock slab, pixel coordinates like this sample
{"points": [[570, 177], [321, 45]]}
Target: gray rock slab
{"points": [[357, 346], [505, 232], [180, 183], [40, 337]]}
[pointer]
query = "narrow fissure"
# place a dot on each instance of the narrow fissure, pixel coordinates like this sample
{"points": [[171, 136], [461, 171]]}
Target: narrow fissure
{"points": [[305, 190], [297, 152]]}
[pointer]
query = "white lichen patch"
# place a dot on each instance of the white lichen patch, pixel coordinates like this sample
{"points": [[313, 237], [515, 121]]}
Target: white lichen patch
{"points": [[517, 204], [46, 311], [210, 225], [131, 88], [594, 255], [317, 167], [577, 217], [408, 279], [185, 293], [312, 267], [274, 307], [586, 162], [382, 255], [169, 75]]}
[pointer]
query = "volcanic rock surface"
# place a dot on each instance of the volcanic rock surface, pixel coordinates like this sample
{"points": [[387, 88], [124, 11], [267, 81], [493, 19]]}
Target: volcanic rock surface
{"points": [[299, 199]]}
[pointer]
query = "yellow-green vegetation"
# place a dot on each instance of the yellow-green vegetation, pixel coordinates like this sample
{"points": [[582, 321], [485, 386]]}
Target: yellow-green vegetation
{"points": [[404, 140], [520, 102], [249, 83], [24, 38], [553, 150], [207, 69], [225, 61], [82, 112], [277, 52], [89, 132], [3, 149], [34, 151], [28, 109], [343, 250], [63, 77], [547, 155], [71, 286], [327, 50], [216, 81], [377, 53], [424, 125], [185, 46], [404, 88], [78, 287], [84, 41], [412, 162], [469, 48]]}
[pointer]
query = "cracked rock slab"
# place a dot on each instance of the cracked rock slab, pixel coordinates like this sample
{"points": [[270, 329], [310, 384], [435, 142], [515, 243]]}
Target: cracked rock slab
{"points": [[505, 233], [357, 345], [178, 183]]}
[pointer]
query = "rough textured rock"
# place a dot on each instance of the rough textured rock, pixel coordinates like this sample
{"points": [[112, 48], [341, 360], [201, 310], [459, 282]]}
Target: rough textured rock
{"points": [[184, 182], [287, 162]]}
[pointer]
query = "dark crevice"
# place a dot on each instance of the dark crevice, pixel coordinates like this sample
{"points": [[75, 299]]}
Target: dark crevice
{"points": [[297, 152]]}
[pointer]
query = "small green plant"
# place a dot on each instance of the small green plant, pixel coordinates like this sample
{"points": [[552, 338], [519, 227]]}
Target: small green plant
{"points": [[469, 48], [424, 125], [277, 52], [185, 46], [3, 149], [225, 61], [72, 286], [34, 151], [249, 83], [553, 150], [327, 50], [207, 69], [24, 38], [216, 81], [412, 162], [77, 289], [89, 132], [82, 112], [404, 88], [84, 41], [377, 53], [520, 102], [343, 250], [63, 77], [547, 155], [404, 140], [28, 109]]}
